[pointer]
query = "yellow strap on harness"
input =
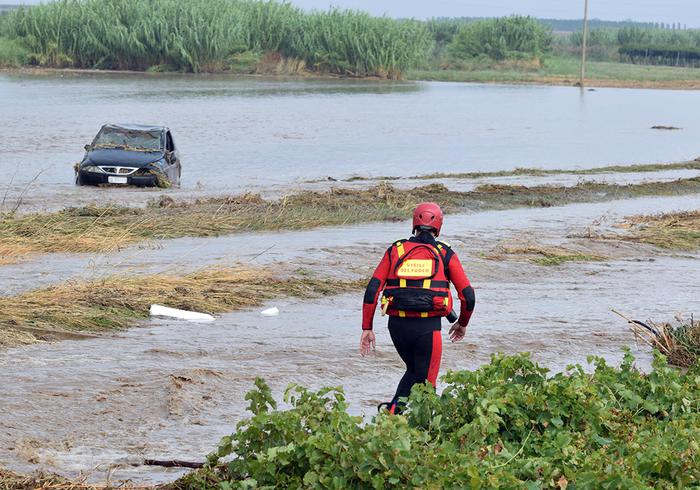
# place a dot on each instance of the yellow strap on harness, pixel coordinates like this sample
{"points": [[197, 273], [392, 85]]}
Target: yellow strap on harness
{"points": [[426, 284], [424, 314], [402, 314], [399, 249], [402, 283]]}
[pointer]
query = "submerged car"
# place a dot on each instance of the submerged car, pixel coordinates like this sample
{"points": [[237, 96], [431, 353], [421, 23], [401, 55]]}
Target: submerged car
{"points": [[130, 154]]}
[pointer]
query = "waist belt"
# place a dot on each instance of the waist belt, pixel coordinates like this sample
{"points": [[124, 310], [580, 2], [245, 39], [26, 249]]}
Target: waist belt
{"points": [[411, 283]]}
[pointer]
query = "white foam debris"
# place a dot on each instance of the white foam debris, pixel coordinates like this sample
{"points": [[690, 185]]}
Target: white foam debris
{"points": [[274, 311], [191, 316]]}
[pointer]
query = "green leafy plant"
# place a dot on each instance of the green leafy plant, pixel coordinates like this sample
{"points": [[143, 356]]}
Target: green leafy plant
{"points": [[509, 424]]}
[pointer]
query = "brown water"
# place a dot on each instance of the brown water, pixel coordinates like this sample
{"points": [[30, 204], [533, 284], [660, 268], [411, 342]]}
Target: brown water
{"points": [[171, 389], [250, 133]]}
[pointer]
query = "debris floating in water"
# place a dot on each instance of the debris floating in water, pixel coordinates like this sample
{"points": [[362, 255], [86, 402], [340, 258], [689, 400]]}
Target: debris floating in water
{"points": [[667, 128], [274, 311], [193, 316]]}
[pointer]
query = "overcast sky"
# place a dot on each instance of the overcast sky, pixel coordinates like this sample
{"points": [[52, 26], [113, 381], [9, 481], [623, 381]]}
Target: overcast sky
{"points": [[669, 11]]}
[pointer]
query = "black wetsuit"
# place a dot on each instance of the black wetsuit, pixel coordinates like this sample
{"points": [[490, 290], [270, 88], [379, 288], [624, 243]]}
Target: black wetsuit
{"points": [[419, 343]]}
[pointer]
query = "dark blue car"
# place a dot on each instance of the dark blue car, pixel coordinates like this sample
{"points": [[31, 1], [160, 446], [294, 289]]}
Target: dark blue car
{"points": [[130, 154]]}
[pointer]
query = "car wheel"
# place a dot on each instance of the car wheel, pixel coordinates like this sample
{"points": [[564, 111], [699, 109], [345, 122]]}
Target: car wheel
{"points": [[78, 180]]}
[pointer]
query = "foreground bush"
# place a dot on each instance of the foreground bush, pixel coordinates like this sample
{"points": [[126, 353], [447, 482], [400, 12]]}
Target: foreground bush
{"points": [[506, 425]]}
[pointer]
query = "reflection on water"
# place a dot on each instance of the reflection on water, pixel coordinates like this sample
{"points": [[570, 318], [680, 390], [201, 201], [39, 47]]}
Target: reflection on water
{"points": [[239, 132]]}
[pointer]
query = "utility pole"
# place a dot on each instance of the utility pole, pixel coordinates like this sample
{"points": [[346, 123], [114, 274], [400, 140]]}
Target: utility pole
{"points": [[584, 44]]}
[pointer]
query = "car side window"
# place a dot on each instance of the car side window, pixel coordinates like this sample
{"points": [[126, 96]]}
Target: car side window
{"points": [[169, 142]]}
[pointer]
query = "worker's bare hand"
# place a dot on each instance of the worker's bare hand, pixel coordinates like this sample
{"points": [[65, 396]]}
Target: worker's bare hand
{"points": [[368, 342], [457, 332]]}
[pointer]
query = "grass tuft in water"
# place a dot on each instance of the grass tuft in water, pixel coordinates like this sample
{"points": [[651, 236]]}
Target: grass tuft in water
{"points": [[680, 231], [545, 255]]}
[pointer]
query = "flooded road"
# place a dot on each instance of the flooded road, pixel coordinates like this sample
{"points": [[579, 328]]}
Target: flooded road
{"points": [[250, 133], [171, 389]]}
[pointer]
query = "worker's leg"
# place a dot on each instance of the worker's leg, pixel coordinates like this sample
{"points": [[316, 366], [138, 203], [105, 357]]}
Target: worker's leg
{"points": [[403, 342], [428, 354], [414, 340]]}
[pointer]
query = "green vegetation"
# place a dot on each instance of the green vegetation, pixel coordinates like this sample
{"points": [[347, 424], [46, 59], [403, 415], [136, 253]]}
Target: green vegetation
{"points": [[639, 46], [104, 229], [13, 54], [564, 70], [276, 38], [205, 35], [514, 37], [509, 424], [115, 303]]}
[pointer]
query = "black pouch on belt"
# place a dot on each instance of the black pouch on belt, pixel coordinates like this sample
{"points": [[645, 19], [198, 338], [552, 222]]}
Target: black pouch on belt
{"points": [[414, 299]]}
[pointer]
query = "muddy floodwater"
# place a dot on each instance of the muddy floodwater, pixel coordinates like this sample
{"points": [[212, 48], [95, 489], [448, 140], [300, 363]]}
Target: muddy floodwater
{"points": [[170, 390], [250, 133]]}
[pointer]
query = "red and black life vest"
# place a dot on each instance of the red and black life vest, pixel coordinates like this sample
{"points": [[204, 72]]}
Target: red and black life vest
{"points": [[417, 284]]}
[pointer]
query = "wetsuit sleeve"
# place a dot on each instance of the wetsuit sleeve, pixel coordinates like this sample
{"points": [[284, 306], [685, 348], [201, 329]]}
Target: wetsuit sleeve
{"points": [[465, 291], [375, 286]]}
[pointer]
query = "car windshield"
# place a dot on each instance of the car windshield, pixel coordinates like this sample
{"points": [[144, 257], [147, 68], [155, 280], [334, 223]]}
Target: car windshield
{"points": [[128, 139]]}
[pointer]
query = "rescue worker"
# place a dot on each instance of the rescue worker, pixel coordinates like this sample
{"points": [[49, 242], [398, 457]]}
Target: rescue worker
{"points": [[414, 276]]}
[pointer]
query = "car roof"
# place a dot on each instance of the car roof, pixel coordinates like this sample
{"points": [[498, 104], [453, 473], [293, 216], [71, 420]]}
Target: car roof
{"points": [[136, 127]]}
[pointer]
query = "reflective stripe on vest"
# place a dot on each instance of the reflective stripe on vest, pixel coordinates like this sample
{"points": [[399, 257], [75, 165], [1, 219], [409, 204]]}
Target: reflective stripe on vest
{"points": [[427, 283], [399, 249]]}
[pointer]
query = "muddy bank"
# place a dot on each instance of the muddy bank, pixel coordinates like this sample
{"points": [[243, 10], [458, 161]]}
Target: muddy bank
{"points": [[271, 70], [110, 228]]}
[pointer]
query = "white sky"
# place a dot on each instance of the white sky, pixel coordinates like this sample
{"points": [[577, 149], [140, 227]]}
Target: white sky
{"points": [[668, 11]]}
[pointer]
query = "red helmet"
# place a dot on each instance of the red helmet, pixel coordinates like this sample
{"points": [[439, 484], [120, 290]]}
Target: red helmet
{"points": [[428, 214]]}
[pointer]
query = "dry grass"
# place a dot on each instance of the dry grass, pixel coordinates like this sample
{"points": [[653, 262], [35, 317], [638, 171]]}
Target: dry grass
{"points": [[14, 481], [679, 342], [105, 229], [47, 481], [546, 255], [680, 231], [118, 302]]}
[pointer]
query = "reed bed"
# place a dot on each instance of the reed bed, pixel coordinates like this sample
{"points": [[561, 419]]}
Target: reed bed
{"points": [[109, 228], [680, 231], [206, 35], [116, 303]]}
